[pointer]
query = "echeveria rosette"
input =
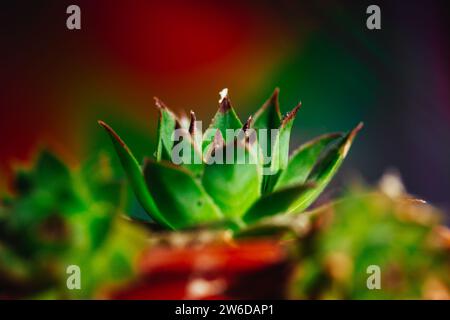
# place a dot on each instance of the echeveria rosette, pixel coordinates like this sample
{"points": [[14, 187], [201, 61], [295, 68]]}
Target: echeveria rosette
{"points": [[188, 195]]}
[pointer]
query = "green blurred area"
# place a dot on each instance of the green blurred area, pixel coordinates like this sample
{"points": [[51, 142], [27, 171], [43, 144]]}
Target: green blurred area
{"points": [[400, 236], [58, 218]]}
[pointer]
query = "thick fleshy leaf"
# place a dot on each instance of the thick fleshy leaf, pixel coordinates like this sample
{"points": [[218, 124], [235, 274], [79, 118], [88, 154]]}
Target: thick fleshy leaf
{"points": [[269, 115], [180, 197], [266, 119], [303, 160], [225, 118], [280, 151], [325, 168], [277, 202], [166, 126], [186, 150], [234, 183], [135, 176]]}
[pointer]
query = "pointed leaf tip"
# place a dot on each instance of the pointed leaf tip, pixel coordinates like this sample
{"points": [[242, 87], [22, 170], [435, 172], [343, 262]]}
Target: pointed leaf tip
{"points": [[304, 158], [113, 134], [223, 94], [247, 123], [159, 103], [192, 123], [274, 99], [225, 105], [326, 167], [224, 101], [134, 173], [224, 119], [291, 114], [269, 115], [351, 136]]}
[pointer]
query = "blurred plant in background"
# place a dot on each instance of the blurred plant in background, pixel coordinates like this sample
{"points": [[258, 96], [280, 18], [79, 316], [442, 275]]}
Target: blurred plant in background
{"points": [[60, 217], [388, 229]]}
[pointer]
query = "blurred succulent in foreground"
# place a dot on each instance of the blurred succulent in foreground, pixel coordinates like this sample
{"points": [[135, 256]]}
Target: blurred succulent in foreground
{"points": [[194, 193], [393, 231], [60, 217]]}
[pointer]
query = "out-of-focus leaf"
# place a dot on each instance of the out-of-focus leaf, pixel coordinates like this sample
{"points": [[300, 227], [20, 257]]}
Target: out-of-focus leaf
{"points": [[225, 118], [50, 170], [135, 176], [23, 182], [277, 202], [166, 126], [303, 160], [12, 265], [179, 194], [97, 176], [235, 184], [325, 168]]}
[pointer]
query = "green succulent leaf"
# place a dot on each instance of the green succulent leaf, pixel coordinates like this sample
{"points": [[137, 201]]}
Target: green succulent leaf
{"points": [[167, 123], [280, 150], [186, 148], [325, 168], [269, 115], [233, 185], [303, 160], [277, 202], [267, 118], [225, 118], [135, 176], [182, 198]]}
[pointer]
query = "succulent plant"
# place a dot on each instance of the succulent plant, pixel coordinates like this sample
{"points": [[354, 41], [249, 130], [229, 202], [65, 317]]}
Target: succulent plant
{"points": [[268, 182], [59, 217], [402, 236]]}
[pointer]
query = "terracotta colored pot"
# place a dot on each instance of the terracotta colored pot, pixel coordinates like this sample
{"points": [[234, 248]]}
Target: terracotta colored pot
{"points": [[246, 270]]}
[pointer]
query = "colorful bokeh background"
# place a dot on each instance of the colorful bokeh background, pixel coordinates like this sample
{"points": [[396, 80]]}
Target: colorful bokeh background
{"points": [[56, 83]]}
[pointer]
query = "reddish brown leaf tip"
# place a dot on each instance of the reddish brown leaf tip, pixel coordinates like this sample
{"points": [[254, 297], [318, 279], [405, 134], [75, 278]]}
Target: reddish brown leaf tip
{"points": [[247, 123], [112, 133], [351, 135], [274, 99], [224, 101], [272, 102], [192, 123], [224, 105], [355, 131], [291, 115], [160, 104]]}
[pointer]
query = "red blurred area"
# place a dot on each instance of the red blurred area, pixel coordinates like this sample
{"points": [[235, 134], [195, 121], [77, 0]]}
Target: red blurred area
{"points": [[167, 39], [246, 270], [125, 53]]}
